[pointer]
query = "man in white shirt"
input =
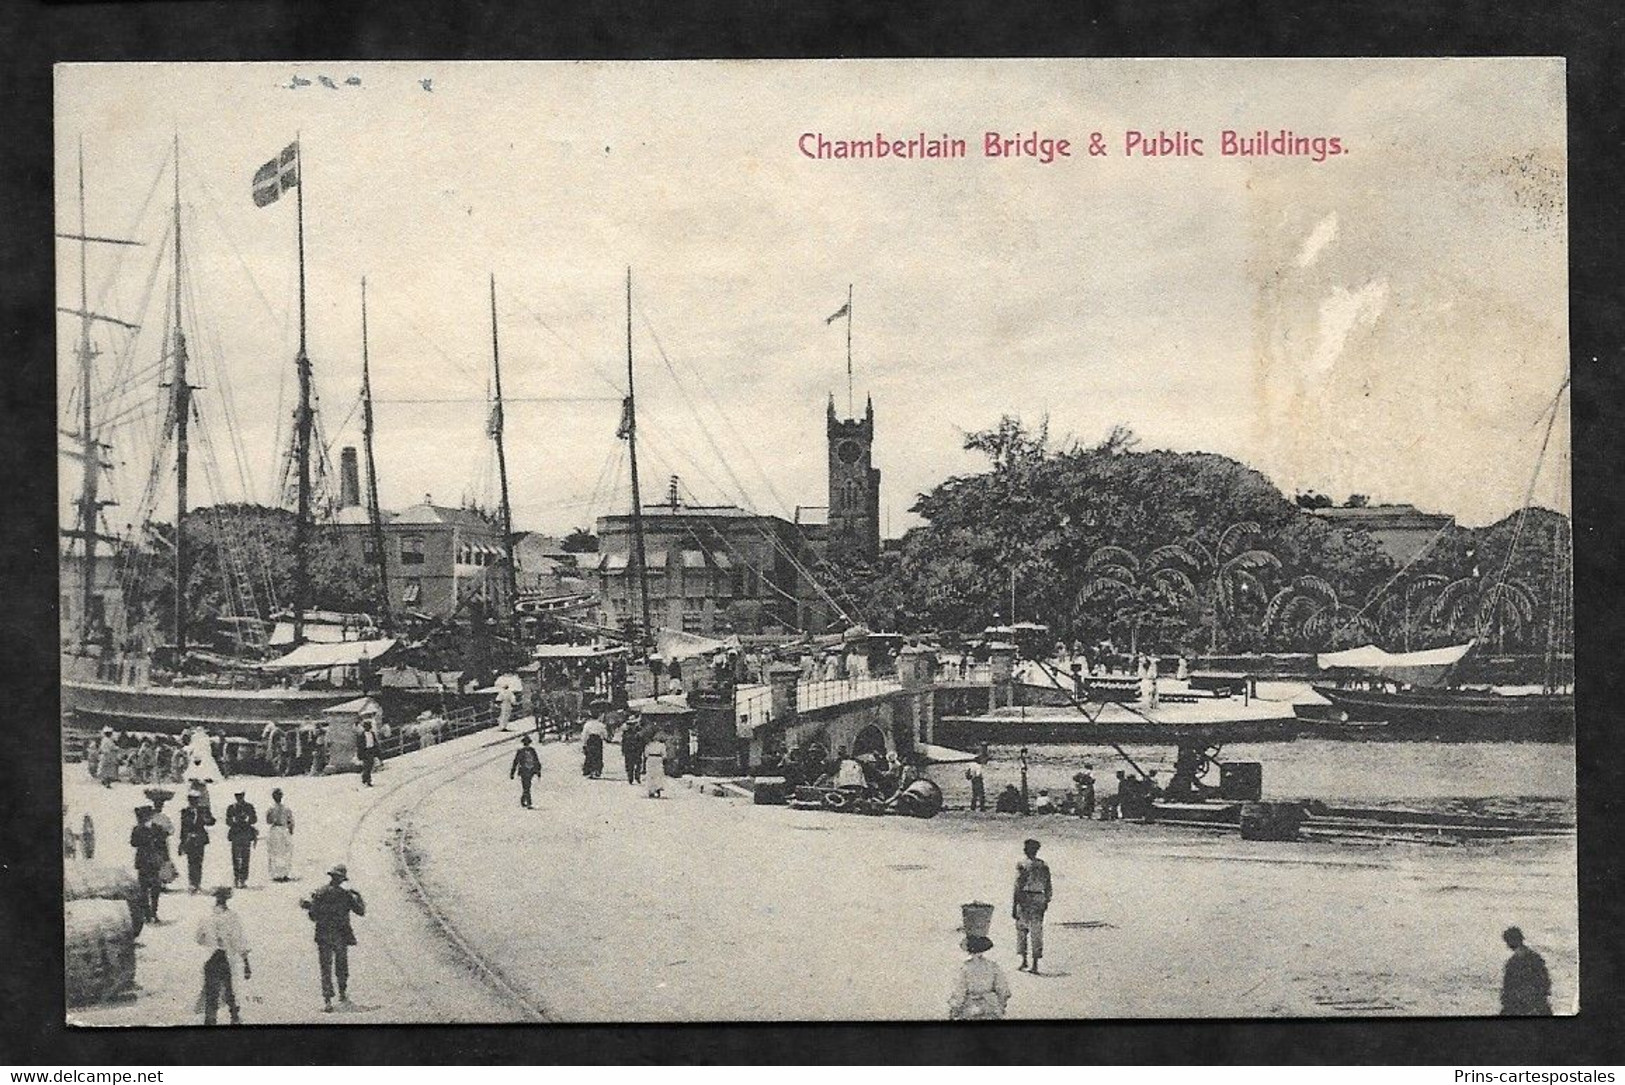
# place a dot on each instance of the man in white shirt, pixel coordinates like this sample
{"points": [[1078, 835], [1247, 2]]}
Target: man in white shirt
{"points": [[221, 933]]}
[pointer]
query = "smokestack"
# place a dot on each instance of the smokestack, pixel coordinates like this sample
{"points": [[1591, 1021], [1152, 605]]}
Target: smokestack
{"points": [[349, 479]]}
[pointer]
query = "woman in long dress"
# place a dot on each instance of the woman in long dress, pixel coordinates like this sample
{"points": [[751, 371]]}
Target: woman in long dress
{"points": [[203, 765], [654, 766], [107, 759], [279, 838]]}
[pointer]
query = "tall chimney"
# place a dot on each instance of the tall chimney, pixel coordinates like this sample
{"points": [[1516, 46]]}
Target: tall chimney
{"points": [[349, 479]]}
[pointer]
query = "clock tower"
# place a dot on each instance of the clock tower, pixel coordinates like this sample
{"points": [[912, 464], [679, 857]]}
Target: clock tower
{"points": [[854, 484]]}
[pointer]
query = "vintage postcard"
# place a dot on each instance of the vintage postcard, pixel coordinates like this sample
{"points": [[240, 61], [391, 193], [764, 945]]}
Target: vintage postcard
{"points": [[886, 540]]}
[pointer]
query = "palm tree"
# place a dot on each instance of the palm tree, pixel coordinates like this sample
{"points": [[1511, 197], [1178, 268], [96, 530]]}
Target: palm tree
{"points": [[1310, 607], [1506, 605], [1110, 574], [1230, 570], [1402, 607]]}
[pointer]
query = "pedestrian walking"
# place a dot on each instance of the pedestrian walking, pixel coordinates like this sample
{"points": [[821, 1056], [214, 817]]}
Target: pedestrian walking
{"points": [[527, 766], [593, 734], [1526, 986], [318, 751], [279, 838], [226, 967], [151, 853], [654, 767], [330, 908], [1029, 902], [633, 742], [1086, 794], [241, 819], [366, 748], [980, 990], [143, 762], [194, 838]]}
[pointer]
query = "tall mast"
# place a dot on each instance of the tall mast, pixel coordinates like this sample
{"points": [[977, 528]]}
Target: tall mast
{"points": [[89, 507], [638, 552], [181, 393], [90, 449], [374, 513], [849, 407], [502, 455], [301, 532]]}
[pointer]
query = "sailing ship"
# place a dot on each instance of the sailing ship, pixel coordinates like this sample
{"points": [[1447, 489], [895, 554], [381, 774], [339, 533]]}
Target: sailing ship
{"points": [[1411, 694], [1422, 694], [327, 658]]}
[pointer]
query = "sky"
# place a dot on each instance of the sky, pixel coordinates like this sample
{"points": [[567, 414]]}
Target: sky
{"points": [[1391, 321]]}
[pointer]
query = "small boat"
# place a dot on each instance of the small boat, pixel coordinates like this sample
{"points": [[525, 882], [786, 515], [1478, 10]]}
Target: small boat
{"points": [[1409, 692]]}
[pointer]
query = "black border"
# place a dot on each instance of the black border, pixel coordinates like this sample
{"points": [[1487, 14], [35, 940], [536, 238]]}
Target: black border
{"points": [[34, 35]]}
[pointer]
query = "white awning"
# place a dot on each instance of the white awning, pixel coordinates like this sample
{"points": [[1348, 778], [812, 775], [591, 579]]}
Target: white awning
{"points": [[1413, 668], [310, 657]]}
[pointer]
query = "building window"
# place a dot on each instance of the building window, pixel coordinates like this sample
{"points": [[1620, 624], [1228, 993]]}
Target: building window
{"points": [[412, 590], [411, 549]]}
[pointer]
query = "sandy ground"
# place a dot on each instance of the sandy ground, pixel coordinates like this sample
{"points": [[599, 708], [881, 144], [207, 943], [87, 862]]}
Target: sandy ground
{"points": [[602, 904], [402, 970]]}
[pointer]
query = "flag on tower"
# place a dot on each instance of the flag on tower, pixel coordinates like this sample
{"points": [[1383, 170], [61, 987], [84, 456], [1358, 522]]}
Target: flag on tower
{"points": [[839, 313], [277, 176]]}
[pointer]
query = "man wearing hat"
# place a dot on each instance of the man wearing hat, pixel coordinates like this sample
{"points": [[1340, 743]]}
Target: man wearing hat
{"points": [[151, 853], [980, 989], [527, 766], [1031, 900], [194, 837], [330, 908], [241, 817], [225, 969]]}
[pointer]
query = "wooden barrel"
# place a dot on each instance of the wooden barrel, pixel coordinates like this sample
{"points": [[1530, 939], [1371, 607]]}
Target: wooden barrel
{"points": [[99, 954], [921, 799], [98, 881]]}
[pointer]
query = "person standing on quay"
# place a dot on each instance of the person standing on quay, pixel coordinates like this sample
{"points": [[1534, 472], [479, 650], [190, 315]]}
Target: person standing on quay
{"points": [[980, 989], [632, 743], [194, 838], [593, 734], [654, 767], [151, 852], [527, 766], [978, 786], [367, 749], [1526, 986], [225, 969], [241, 819], [1030, 900], [279, 838], [330, 908]]}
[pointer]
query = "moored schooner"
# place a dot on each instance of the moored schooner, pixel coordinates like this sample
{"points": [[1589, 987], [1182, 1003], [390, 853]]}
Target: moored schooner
{"points": [[167, 687]]}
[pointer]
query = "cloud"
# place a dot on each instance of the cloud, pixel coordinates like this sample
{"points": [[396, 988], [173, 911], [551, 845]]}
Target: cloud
{"points": [[1340, 314], [1324, 233]]}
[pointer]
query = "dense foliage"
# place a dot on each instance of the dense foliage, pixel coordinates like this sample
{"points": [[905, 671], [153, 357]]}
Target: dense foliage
{"points": [[1189, 551]]}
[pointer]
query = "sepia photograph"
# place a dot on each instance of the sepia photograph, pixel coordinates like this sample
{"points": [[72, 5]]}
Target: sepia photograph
{"points": [[866, 540]]}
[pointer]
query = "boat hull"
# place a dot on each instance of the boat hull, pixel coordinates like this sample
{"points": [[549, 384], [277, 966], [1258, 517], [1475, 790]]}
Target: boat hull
{"points": [[1457, 715]]}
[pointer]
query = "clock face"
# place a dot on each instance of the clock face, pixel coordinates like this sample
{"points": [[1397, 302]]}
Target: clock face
{"points": [[848, 451]]}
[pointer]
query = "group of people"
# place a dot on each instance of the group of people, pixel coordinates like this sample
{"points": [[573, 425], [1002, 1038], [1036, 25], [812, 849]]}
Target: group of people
{"points": [[156, 759], [227, 967], [980, 989], [643, 753], [154, 830]]}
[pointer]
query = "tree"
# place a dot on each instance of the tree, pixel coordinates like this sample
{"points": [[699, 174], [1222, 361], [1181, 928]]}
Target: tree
{"points": [[579, 541], [1229, 570], [1309, 609], [1504, 606], [1357, 501]]}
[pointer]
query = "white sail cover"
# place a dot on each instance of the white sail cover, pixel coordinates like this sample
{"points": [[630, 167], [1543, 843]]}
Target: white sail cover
{"points": [[1425, 669], [675, 644], [308, 657]]}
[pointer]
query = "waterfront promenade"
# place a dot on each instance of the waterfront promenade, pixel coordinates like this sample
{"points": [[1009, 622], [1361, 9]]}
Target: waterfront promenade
{"points": [[603, 905]]}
